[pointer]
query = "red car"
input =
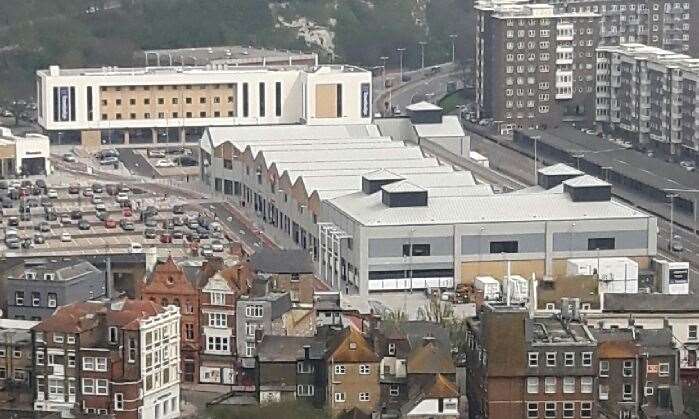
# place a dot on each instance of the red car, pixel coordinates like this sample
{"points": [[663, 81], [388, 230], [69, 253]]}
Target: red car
{"points": [[166, 238], [126, 212], [109, 223]]}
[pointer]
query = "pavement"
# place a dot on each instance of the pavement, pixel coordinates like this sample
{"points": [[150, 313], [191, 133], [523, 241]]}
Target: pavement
{"points": [[136, 163]]}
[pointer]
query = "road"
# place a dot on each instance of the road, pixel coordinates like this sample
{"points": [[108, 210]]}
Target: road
{"points": [[422, 82], [136, 163], [233, 222]]}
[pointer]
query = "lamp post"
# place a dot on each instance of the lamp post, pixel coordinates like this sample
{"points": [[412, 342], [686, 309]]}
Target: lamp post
{"points": [[400, 55], [577, 158], [422, 55], [383, 72], [453, 50], [695, 201], [672, 197]]}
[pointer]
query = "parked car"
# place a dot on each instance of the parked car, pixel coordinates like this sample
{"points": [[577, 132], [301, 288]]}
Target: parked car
{"points": [[13, 221], [166, 238], [109, 161], [76, 215], [100, 207], [159, 154], [74, 189], [102, 215], [150, 233], [177, 234], [150, 222], [178, 221], [84, 225], [97, 188], [165, 163], [39, 238], [206, 250], [7, 202], [69, 158], [135, 248], [52, 194], [110, 223], [111, 189], [127, 225], [66, 237], [13, 243], [178, 209], [96, 200], [121, 197], [87, 192], [217, 246], [127, 212]]}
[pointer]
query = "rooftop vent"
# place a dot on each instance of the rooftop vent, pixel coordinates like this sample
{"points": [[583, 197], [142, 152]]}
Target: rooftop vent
{"points": [[404, 194], [551, 176], [424, 113], [588, 189], [373, 181]]}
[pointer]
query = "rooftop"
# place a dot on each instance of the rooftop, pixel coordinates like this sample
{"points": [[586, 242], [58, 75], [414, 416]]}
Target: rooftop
{"points": [[560, 169], [650, 303], [62, 270], [289, 348], [268, 260], [551, 330], [224, 53], [655, 55], [449, 127]]}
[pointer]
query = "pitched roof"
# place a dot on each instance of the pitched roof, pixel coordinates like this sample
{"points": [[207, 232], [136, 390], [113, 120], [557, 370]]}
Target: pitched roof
{"points": [[289, 348], [354, 413], [351, 346], [585, 181], [560, 169], [78, 317], [423, 106], [430, 358], [441, 388]]}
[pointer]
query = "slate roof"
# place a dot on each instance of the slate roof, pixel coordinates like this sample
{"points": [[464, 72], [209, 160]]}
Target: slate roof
{"points": [[430, 358], [282, 261], [351, 346], [78, 317], [288, 348], [648, 303]]}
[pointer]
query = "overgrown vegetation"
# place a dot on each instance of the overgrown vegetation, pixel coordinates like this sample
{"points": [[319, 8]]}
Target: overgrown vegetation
{"points": [[75, 33]]}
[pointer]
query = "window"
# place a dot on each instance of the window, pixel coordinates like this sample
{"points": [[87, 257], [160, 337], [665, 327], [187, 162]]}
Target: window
{"points": [[71, 359], [568, 410], [250, 329], [340, 397], [533, 359], [17, 353], [113, 335], [628, 368], [246, 102], [532, 410], [100, 364], [118, 401], [604, 391], [189, 331], [569, 384], [532, 385], [304, 368], [249, 349], [278, 99], [586, 385], [202, 100], [603, 243], [364, 397], [569, 359], [19, 298], [88, 363], [418, 249], [39, 358], [340, 369], [604, 368], [36, 299], [586, 409], [254, 311], [51, 299], [504, 247], [587, 359], [339, 100], [391, 348], [394, 390], [218, 298], [58, 338], [664, 369], [97, 386], [692, 331], [218, 319], [217, 343], [55, 386], [627, 392], [305, 390], [364, 369], [550, 359], [146, 101], [550, 385], [132, 349], [262, 99], [550, 410]]}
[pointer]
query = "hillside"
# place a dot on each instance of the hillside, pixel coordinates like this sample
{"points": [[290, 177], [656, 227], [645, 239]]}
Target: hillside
{"points": [[36, 33]]}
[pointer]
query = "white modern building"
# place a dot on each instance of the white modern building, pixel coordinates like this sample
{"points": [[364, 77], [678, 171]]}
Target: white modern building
{"points": [[119, 106], [23, 155], [377, 214]]}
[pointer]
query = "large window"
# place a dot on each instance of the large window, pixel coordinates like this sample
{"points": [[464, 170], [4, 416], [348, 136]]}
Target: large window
{"points": [[504, 247], [418, 249], [305, 390], [218, 344], [97, 386], [218, 320], [550, 385], [262, 100], [278, 98], [218, 298], [532, 385], [339, 100], [601, 243], [254, 311], [246, 101]]}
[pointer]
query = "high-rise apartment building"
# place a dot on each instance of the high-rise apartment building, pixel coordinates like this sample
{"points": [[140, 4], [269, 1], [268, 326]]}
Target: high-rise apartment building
{"points": [[649, 96], [119, 358], [667, 24], [535, 68]]}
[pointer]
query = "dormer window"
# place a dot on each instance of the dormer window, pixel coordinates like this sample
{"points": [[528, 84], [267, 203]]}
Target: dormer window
{"points": [[30, 275], [353, 345], [170, 280], [49, 277]]}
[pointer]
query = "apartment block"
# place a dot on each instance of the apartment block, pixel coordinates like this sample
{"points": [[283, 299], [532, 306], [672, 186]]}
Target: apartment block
{"points": [[648, 96], [535, 67], [118, 357], [530, 367], [666, 24], [16, 353]]}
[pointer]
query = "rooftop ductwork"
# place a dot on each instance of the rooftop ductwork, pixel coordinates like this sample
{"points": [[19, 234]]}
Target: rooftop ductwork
{"points": [[373, 181], [404, 194], [551, 176]]}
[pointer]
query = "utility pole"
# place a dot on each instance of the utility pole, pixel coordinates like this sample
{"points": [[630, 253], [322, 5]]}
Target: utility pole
{"points": [[422, 55], [453, 50], [672, 197], [400, 55], [383, 72]]}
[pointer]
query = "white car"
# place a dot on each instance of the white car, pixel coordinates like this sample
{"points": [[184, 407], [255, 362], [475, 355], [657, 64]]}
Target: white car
{"points": [[122, 197], [65, 237], [165, 163], [97, 200], [135, 248], [52, 194], [217, 246]]}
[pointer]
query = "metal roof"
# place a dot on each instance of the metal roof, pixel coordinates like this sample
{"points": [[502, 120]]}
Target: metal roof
{"points": [[560, 169], [423, 106], [585, 181], [449, 127]]}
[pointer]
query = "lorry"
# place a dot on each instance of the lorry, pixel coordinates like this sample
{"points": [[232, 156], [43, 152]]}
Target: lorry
{"points": [[489, 286]]}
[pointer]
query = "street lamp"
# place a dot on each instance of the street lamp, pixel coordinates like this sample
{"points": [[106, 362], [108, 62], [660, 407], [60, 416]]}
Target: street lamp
{"points": [[577, 158], [383, 72], [453, 50], [695, 209], [672, 197], [422, 56], [400, 54]]}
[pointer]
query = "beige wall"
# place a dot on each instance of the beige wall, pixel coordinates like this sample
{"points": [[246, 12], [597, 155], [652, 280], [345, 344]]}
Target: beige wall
{"points": [[91, 139], [111, 108], [352, 383], [326, 101], [7, 151]]}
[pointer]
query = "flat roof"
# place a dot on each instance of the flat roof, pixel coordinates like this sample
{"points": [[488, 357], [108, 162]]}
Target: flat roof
{"points": [[370, 210], [627, 162], [230, 52], [449, 127]]}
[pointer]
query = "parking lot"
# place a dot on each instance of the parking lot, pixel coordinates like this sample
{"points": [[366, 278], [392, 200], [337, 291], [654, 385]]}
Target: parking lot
{"points": [[95, 217]]}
